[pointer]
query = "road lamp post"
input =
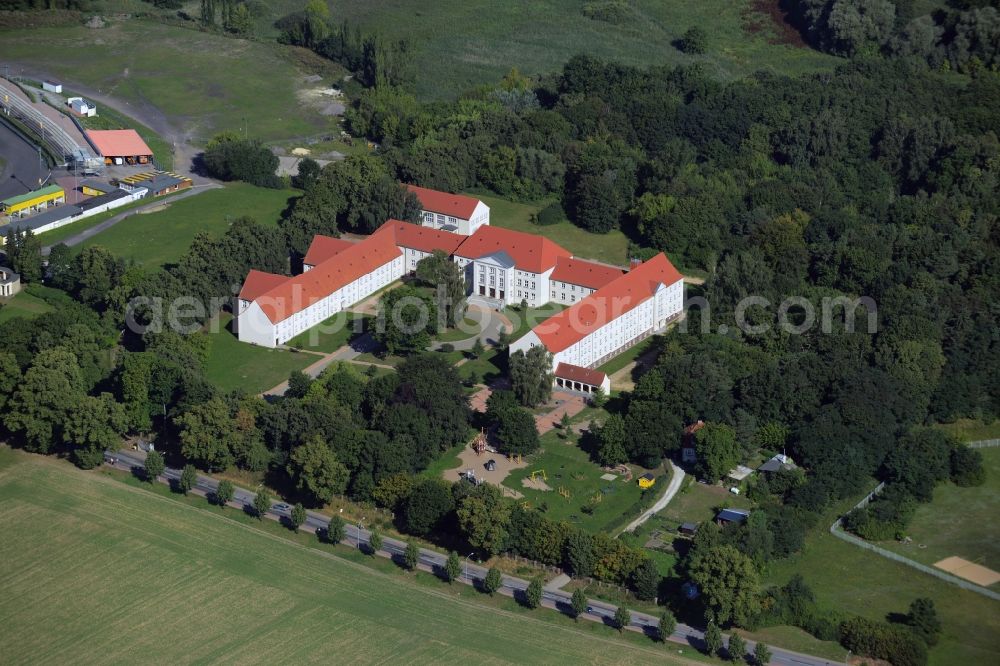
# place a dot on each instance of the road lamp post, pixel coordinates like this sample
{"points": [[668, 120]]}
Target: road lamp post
{"points": [[467, 566]]}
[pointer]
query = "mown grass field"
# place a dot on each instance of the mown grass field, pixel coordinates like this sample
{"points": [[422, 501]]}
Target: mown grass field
{"points": [[232, 364], [333, 333], [202, 82], [851, 580], [970, 430], [154, 239], [465, 44], [22, 305], [568, 466], [960, 521], [98, 571], [697, 503], [611, 248]]}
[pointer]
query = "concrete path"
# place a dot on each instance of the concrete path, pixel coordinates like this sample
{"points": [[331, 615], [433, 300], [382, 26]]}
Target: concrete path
{"points": [[557, 583], [676, 476], [363, 343]]}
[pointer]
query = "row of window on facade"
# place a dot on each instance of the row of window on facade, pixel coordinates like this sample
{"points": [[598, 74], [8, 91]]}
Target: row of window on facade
{"points": [[441, 219]]}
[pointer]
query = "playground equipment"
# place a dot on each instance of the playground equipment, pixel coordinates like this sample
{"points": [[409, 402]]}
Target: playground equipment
{"points": [[564, 491], [541, 473], [479, 443], [516, 459], [597, 498]]}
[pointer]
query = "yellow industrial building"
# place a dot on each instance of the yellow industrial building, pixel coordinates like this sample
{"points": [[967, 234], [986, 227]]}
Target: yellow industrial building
{"points": [[32, 202]]}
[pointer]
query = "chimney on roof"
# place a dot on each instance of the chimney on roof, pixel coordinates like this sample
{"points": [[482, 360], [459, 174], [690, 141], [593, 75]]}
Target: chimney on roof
{"points": [[633, 263]]}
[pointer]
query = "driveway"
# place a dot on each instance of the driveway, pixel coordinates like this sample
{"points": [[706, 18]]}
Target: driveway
{"points": [[676, 477]]}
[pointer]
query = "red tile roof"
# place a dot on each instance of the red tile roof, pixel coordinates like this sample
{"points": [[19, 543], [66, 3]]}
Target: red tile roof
{"points": [[455, 205], [297, 293], [575, 373], [421, 238], [259, 283], [585, 273], [606, 304], [119, 143], [530, 252], [324, 247]]}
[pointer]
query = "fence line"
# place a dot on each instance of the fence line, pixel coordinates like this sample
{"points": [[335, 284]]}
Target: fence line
{"points": [[838, 532], [983, 444]]}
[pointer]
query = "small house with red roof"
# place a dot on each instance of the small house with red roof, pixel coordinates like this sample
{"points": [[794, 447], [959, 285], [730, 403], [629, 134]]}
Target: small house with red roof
{"points": [[456, 213]]}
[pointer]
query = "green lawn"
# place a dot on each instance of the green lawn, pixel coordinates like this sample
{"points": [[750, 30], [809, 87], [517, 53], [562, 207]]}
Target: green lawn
{"points": [[960, 521], [970, 430], [484, 369], [332, 334], [849, 579], [232, 364], [96, 570], [22, 305], [60, 234], [697, 503], [623, 359], [145, 62], [525, 321], [569, 467], [611, 247], [154, 239], [465, 44]]}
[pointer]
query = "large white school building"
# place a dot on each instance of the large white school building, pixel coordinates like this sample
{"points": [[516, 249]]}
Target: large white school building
{"points": [[610, 308]]}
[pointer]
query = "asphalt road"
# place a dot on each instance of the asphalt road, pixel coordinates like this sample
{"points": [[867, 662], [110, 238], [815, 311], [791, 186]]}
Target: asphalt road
{"points": [[597, 611], [22, 171]]}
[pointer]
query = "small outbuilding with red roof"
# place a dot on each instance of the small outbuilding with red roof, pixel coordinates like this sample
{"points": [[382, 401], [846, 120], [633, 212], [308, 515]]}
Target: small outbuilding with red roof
{"points": [[122, 146]]}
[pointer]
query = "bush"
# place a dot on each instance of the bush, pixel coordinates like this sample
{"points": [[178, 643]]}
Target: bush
{"points": [[880, 640], [967, 467], [551, 214], [446, 348], [614, 12], [694, 41]]}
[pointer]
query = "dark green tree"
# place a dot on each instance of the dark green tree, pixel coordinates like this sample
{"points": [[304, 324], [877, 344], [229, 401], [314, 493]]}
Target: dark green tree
{"points": [[224, 492], [578, 603], [189, 476], [154, 465], [623, 618], [667, 626], [713, 639], [646, 580], [452, 567], [737, 648], [518, 432], [375, 540], [761, 654], [924, 620], [533, 593], [336, 530], [297, 516], [428, 503], [411, 556], [493, 581], [531, 376], [262, 503], [448, 281], [694, 41]]}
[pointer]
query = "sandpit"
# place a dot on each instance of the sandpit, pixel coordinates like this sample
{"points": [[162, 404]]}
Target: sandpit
{"points": [[970, 571]]}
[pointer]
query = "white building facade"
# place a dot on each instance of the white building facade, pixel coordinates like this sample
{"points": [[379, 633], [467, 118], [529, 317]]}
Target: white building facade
{"points": [[611, 319], [450, 212]]}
